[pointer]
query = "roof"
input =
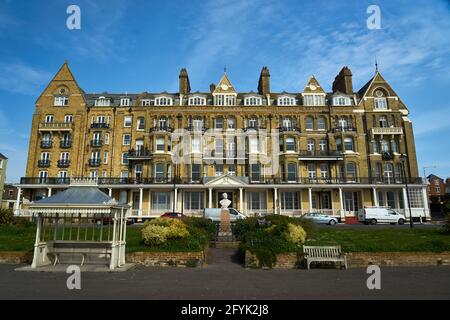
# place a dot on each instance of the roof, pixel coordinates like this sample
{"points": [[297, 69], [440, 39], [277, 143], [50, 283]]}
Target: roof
{"points": [[3, 157], [78, 196]]}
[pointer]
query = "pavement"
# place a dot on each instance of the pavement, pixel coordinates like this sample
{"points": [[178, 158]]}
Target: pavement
{"points": [[224, 278]]}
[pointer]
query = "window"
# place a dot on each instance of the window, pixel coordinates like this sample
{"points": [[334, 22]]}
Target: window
{"points": [[231, 123], [290, 144], [163, 101], [384, 146], [394, 146], [323, 146], [375, 146], [383, 122], [231, 169], [255, 172], [161, 201], [309, 123], [231, 149], [126, 139], [43, 176], [102, 102], [314, 100], [219, 170], [218, 147], [197, 124], [252, 101], [380, 103], [197, 101], [321, 125], [101, 119], [45, 156], [125, 158], [287, 123], [289, 200], [145, 102], [351, 171], [127, 121], [140, 124], [343, 123], [342, 101], [97, 137], [310, 145], [49, 118], [256, 200], [194, 200], [339, 144], [219, 123], [196, 145], [160, 144], [196, 172], [312, 171], [324, 172], [224, 100], [162, 123], [64, 156], [292, 172], [416, 197], [254, 145], [437, 189], [105, 157], [348, 144], [95, 155], [286, 101], [388, 172], [68, 118], [47, 137], [378, 172], [125, 102], [1, 163], [61, 101], [159, 171], [106, 138], [399, 172], [253, 123]]}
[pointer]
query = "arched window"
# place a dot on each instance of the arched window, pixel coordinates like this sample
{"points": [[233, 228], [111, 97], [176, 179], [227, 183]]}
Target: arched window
{"points": [[343, 123], [378, 172], [351, 171], [348, 144], [388, 173], [399, 172], [321, 124], [383, 122], [309, 123], [292, 172], [380, 101], [310, 145]]}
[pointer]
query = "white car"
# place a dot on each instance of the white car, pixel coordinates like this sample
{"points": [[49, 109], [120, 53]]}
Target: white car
{"points": [[214, 214], [374, 215], [321, 218]]}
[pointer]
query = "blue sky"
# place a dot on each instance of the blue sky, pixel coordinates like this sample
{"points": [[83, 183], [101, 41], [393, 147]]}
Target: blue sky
{"points": [[140, 46]]}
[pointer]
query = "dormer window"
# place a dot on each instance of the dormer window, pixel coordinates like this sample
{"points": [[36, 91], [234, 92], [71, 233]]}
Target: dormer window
{"points": [[145, 102], [61, 101], [102, 102], [313, 100], [380, 101], [253, 101], [163, 101], [125, 102], [197, 101], [286, 101], [225, 100], [342, 101]]}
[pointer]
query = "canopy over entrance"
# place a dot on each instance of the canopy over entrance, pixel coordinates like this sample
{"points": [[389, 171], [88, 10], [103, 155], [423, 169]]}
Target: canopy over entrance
{"points": [[81, 223]]}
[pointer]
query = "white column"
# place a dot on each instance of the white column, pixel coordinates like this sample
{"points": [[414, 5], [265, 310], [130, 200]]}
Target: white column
{"points": [[149, 203], [175, 199], [405, 201], [425, 202], [210, 195], [19, 192], [110, 192], [375, 197], [141, 198], [275, 200], [241, 199], [310, 199], [341, 200], [49, 194]]}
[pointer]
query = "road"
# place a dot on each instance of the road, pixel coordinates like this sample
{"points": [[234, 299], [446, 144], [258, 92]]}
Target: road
{"points": [[226, 279]]}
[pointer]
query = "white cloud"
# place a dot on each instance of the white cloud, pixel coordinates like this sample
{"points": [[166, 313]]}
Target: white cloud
{"points": [[21, 78]]}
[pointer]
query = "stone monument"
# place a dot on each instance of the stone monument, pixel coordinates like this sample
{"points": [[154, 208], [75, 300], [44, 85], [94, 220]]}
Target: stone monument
{"points": [[225, 233]]}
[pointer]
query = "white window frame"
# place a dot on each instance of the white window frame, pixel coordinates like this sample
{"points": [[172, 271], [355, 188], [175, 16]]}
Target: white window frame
{"points": [[145, 102], [68, 118], [286, 101], [124, 102], [160, 143], [253, 101], [197, 101], [163, 101], [127, 121], [61, 101]]}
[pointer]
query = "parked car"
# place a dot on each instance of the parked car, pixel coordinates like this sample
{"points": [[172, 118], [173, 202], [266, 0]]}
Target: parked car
{"points": [[174, 215], [214, 214], [321, 218], [374, 215]]}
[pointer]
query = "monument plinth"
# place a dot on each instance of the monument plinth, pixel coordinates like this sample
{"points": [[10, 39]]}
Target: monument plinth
{"points": [[225, 233]]}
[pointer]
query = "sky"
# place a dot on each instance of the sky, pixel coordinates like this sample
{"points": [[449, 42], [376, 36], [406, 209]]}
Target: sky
{"points": [[136, 46]]}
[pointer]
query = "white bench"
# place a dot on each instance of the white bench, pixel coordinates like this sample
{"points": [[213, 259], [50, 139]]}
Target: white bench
{"points": [[324, 254], [83, 248]]}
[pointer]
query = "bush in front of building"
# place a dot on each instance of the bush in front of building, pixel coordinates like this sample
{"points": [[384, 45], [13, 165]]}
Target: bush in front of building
{"points": [[207, 225], [6, 216], [446, 226]]}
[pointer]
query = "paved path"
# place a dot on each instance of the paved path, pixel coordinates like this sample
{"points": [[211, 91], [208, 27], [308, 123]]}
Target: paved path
{"points": [[225, 279]]}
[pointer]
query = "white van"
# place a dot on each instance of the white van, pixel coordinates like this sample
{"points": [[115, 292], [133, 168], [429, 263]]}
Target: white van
{"points": [[374, 215], [214, 214]]}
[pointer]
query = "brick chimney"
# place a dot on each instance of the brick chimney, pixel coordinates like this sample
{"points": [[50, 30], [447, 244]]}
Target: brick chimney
{"points": [[264, 81], [185, 86], [343, 81], [212, 87]]}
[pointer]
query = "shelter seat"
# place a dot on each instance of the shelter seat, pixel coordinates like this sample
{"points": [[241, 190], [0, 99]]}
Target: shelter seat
{"points": [[83, 248]]}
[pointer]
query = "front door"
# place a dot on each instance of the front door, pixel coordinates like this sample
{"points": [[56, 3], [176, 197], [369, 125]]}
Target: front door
{"points": [[220, 197]]}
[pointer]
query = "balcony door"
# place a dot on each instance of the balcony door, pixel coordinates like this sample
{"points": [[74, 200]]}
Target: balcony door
{"points": [[139, 147]]}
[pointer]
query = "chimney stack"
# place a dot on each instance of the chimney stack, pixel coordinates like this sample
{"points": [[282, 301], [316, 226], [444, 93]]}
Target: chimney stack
{"points": [[185, 86], [212, 87], [264, 81], [343, 81]]}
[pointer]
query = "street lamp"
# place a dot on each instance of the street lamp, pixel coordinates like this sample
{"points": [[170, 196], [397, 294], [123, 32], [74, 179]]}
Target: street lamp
{"points": [[403, 158]]}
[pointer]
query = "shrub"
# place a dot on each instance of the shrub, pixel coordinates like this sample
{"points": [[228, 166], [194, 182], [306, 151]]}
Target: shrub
{"points": [[295, 234], [6, 216], [244, 226], [154, 235], [158, 231], [446, 226], [206, 225]]}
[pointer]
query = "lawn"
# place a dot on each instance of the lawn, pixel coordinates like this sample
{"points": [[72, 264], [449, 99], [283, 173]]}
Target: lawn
{"points": [[21, 238]]}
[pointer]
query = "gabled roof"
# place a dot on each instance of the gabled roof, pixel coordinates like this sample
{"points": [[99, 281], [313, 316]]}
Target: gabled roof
{"points": [[3, 157], [78, 196], [224, 85], [313, 86], [376, 81]]}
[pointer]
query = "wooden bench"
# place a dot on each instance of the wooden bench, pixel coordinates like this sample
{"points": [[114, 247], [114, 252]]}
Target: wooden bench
{"points": [[83, 248], [324, 254]]}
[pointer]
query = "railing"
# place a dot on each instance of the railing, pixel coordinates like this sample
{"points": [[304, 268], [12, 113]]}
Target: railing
{"points": [[197, 129], [27, 180], [289, 129], [139, 154], [43, 163], [254, 128], [63, 163], [344, 129], [56, 126], [96, 143], [387, 155], [65, 144], [94, 162], [100, 125], [46, 144], [388, 130], [320, 153], [161, 129]]}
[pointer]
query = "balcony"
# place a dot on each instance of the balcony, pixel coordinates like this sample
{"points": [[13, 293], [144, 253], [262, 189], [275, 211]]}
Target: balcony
{"points": [[44, 180], [344, 129], [44, 163], [139, 154], [46, 144], [161, 129], [387, 131], [256, 128], [332, 155], [64, 144], [96, 143], [387, 155], [56, 126], [289, 129], [94, 162], [198, 129], [100, 125], [63, 163]]}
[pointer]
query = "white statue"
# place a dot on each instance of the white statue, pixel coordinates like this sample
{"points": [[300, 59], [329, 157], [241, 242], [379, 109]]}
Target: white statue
{"points": [[225, 203]]}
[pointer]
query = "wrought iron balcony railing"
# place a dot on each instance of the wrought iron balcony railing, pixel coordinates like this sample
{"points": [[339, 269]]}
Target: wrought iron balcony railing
{"points": [[63, 163], [44, 163], [100, 125], [139, 154], [94, 162], [46, 144], [96, 143], [65, 144], [344, 129], [55, 126]]}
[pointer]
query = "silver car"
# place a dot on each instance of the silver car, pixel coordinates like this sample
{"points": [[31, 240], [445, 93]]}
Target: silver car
{"points": [[321, 218]]}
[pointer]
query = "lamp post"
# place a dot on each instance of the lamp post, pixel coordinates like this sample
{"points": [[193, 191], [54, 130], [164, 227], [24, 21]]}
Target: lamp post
{"points": [[403, 158]]}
